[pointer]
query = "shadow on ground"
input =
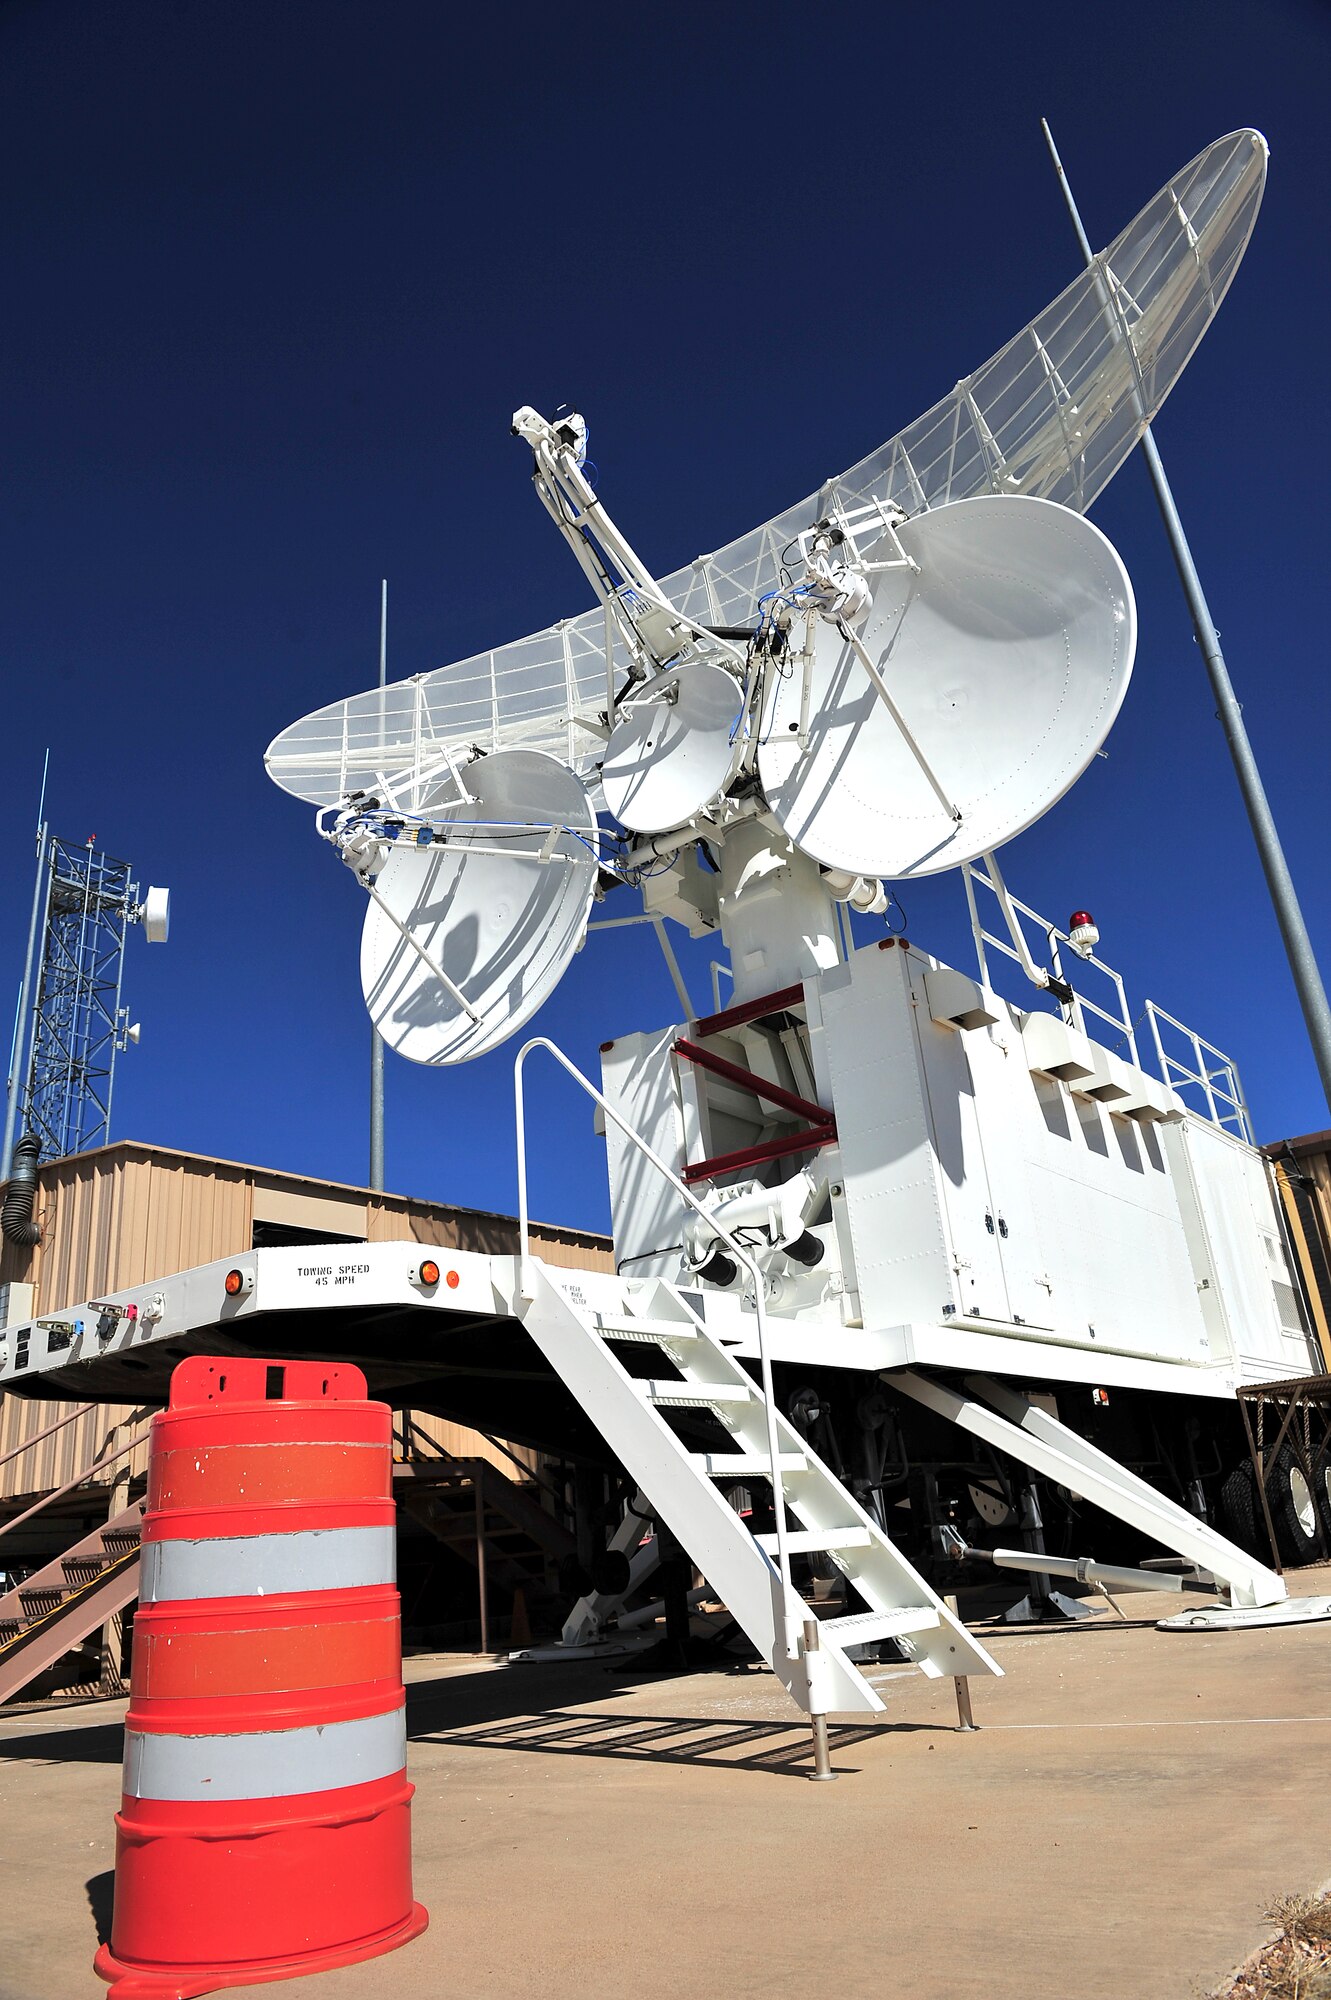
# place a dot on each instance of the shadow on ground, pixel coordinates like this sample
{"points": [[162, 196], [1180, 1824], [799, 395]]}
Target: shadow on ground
{"points": [[781, 1748], [560, 1711], [555, 1711], [103, 1743], [101, 1897]]}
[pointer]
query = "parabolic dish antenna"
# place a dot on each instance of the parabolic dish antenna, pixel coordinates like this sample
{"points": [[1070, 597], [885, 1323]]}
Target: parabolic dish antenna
{"points": [[1052, 415], [671, 751], [1003, 662], [499, 909]]}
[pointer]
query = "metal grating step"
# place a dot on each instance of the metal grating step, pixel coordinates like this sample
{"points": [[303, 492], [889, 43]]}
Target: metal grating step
{"points": [[85, 1569], [818, 1541], [46, 1598], [695, 1395], [746, 1464], [651, 1332], [862, 1627]]}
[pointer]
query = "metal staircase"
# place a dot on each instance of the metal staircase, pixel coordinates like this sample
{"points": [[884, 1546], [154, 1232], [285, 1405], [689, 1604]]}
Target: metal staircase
{"points": [[584, 1342], [59, 1606], [469, 1504]]}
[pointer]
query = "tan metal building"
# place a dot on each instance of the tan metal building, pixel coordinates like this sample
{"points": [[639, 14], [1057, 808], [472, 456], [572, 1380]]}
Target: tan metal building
{"points": [[124, 1214], [1302, 1169]]}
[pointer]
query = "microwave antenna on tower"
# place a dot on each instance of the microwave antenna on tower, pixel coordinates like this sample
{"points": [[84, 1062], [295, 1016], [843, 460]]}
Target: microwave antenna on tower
{"points": [[71, 1022]]}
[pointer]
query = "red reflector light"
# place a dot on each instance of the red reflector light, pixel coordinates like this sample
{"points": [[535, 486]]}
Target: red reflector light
{"points": [[453, 1280], [429, 1273], [233, 1283]]}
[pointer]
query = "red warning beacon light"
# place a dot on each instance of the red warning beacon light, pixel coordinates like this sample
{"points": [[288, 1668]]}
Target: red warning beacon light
{"points": [[1083, 935]]}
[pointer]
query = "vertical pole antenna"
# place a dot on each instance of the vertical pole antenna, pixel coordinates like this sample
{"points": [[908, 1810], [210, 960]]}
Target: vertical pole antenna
{"points": [[1280, 884], [18, 1077], [376, 1039]]}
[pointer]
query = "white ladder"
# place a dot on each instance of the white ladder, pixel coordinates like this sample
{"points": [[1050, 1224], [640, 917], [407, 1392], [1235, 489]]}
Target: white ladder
{"points": [[578, 1337]]}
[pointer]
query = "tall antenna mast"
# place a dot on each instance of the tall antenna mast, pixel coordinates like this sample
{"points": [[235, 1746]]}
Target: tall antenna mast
{"points": [[376, 1039], [1284, 898], [17, 1068]]}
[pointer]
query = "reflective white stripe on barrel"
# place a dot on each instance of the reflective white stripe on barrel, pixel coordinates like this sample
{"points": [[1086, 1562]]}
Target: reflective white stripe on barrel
{"points": [[268, 1763], [264, 1565]]}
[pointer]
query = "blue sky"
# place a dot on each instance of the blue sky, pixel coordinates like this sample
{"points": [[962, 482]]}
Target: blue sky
{"points": [[276, 278]]}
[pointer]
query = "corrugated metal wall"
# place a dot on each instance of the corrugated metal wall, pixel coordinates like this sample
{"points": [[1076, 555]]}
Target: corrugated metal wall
{"points": [[125, 1214], [67, 1454], [1303, 1178]]}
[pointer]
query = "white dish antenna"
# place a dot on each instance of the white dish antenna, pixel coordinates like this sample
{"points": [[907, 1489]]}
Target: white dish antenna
{"points": [[467, 936], [974, 692], [672, 749], [156, 914], [1053, 416]]}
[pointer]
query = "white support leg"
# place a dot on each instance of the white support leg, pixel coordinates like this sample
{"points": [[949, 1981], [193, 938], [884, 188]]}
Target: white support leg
{"points": [[1059, 1453]]}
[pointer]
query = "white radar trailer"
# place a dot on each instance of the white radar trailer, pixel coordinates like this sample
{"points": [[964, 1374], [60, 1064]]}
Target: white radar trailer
{"points": [[913, 1275]]}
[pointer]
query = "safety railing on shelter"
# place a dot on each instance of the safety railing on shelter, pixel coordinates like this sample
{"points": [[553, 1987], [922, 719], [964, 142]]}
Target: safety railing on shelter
{"points": [[1204, 1077], [1209, 1083], [1049, 952]]}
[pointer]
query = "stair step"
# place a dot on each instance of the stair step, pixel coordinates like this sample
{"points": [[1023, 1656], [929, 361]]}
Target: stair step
{"points": [[863, 1627], [818, 1541], [650, 1331], [746, 1464], [695, 1395]]}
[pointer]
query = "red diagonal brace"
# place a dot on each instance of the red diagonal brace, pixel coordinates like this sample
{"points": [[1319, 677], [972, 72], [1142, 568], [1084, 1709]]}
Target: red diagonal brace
{"points": [[822, 1124], [750, 1010], [757, 1156], [771, 1093]]}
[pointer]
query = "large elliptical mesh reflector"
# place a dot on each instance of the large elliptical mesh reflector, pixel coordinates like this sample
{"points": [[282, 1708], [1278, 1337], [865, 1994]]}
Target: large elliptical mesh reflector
{"points": [[671, 751], [1007, 658], [500, 922], [1053, 414]]}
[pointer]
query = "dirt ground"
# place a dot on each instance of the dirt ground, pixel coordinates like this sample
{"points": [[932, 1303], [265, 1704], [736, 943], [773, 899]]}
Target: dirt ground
{"points": [[1131, 1805]]}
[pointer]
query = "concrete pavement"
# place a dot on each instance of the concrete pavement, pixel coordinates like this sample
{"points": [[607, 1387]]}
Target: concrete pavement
{"points": [[1128, 1807]]}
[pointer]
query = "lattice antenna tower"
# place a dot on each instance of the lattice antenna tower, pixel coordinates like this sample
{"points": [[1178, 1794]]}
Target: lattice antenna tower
{"points": [[73, 1008]]}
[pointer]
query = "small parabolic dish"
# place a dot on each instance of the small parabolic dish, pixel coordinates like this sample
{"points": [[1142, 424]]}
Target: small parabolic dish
{"points": [[157, 915], [485, 908], [672, 748], [1006, 658]]}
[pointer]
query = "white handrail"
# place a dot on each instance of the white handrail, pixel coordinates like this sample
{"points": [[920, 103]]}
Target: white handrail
{"points": [[744, 1257]]}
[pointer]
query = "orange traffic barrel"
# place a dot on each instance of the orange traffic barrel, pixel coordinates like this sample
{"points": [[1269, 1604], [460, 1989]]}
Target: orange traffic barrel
{"points": [[264, 1829]]}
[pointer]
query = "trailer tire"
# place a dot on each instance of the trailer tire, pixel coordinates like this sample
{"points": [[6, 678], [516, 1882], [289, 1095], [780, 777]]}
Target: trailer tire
{"points": [[1322, 1493], [1240, 1510], [1294, 1510]]}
